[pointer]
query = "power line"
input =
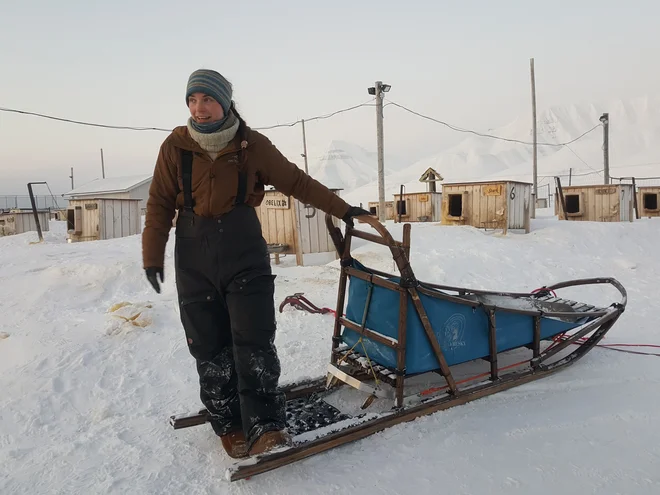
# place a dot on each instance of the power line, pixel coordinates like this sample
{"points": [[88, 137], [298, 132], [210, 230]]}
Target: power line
{"points": [[133, 128], [61, 119], [460, 129], [579, 158]]}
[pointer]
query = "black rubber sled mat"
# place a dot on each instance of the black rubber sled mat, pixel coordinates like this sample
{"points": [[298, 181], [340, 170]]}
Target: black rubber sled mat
{"points": [[310, 413]]}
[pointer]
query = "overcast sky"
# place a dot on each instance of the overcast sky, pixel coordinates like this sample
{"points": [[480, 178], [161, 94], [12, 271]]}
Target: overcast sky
{"points": [[127, 63]]}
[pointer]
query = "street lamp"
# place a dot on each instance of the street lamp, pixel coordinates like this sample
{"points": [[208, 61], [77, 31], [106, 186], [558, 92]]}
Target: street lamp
{"points": [[377, 90]]}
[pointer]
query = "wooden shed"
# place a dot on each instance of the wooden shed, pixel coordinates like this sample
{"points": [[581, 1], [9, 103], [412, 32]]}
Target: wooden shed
{"points": [[21, 221], [648, 201], [127, 187], [291, 227], [100, 219], [389, 209], [418, 207], [488, 205], [596, 203]]}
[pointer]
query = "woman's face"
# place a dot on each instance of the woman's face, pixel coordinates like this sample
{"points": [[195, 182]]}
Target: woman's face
{"points": [[204, 109]]}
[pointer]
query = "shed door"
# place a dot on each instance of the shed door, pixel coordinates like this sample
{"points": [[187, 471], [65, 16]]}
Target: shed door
{"points": [[625, 211]]}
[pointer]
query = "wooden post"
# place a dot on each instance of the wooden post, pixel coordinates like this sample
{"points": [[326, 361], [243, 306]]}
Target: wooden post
{"points": [[535, 170], [637, 215], [304, 146], [401, 203], [605, 119], [527, 223], [34, 209], [381, 160], [561, 197]]}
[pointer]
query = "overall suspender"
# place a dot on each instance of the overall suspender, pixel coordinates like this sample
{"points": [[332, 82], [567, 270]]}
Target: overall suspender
{"points": [[186, 175]]}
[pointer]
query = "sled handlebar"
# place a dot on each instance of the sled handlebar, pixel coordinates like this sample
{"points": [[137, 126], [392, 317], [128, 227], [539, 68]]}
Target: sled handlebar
{"points": [[400, 250]]}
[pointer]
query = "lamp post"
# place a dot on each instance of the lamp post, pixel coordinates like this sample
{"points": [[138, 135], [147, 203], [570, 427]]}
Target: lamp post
{"points": [[377, 90]]}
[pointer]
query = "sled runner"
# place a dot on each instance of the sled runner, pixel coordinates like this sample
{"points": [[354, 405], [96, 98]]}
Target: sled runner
{"points": [[403, 348]]}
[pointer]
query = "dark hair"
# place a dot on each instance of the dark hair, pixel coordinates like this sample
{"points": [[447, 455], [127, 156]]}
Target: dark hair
{"points": [[242, 133]]}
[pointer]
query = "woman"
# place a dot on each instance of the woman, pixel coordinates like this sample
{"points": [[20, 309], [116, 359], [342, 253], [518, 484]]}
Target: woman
{"points": [[213, 171]]}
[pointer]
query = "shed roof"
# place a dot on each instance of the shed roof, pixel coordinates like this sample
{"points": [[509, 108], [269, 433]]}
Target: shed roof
{"points": [[109, 185], [426, 176], [592, 186], [478, 182], [417, 193]]}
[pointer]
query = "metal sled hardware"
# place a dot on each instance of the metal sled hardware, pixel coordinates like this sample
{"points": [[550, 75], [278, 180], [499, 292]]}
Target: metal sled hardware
{"points": [[394, 335]]}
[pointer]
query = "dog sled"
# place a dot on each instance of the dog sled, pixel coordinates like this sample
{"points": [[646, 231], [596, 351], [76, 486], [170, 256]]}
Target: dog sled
{"points": [[403, 348]]}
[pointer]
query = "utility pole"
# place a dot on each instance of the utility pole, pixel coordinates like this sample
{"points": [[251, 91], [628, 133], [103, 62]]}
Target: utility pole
{"points": [[605, 119], [534, 173], [570, 176], [378, 91], [304, 146], [102, 165], [71, 177], [381, 166]]}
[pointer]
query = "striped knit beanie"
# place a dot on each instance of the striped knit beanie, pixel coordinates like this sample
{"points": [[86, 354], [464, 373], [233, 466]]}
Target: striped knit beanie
{"points": [[210, 83]]}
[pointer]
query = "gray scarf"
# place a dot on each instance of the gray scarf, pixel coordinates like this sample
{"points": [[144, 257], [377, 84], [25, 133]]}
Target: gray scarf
{"points": [[213, 143]]}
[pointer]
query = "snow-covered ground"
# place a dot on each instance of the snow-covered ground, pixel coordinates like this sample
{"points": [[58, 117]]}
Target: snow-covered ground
{"points": [[86, 396]]}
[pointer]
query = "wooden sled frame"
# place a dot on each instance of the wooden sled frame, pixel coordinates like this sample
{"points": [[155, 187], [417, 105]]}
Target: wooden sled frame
{"points": [[595, 322], [599, 321]]}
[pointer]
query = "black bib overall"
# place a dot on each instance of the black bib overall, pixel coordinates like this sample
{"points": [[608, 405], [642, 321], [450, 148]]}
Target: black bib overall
{"points": [[226, 301]]}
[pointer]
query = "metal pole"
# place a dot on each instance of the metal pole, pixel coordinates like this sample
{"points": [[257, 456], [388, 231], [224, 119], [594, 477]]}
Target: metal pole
{"points": [[560, 192], [34, 209], [305, 146], [71, 177], [534, 173], [570, 176], [636, 204], [102, 164], [605, 119], [379, 136]]}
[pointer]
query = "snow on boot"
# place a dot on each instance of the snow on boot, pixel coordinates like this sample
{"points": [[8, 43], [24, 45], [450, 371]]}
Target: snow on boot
{"points": [[235, 444], [270, 440]]}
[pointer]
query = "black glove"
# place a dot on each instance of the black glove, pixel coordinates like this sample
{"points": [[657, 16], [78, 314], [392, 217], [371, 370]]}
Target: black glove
{"points": [[354, 211], [151, 272]]}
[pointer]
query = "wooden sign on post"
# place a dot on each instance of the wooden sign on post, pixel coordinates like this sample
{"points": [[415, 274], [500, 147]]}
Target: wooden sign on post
{"points": [[492, 190], [278, 201]]}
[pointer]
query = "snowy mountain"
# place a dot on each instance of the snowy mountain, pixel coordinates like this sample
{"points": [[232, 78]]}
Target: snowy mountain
{"points": [[348, 166], [634, 149]]}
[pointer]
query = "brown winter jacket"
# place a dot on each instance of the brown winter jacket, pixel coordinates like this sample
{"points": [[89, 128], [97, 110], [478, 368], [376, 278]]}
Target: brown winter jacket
{"points": [[215, 184]]}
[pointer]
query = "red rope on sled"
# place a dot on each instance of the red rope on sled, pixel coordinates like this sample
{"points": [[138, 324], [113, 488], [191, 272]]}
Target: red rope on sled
{"points": [[613, 347], [556, 340], [544, 289], [299, 301]]}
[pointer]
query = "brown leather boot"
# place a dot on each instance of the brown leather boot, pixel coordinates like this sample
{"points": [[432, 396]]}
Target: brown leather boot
{"points": [[235, 444], [269, 441]]}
